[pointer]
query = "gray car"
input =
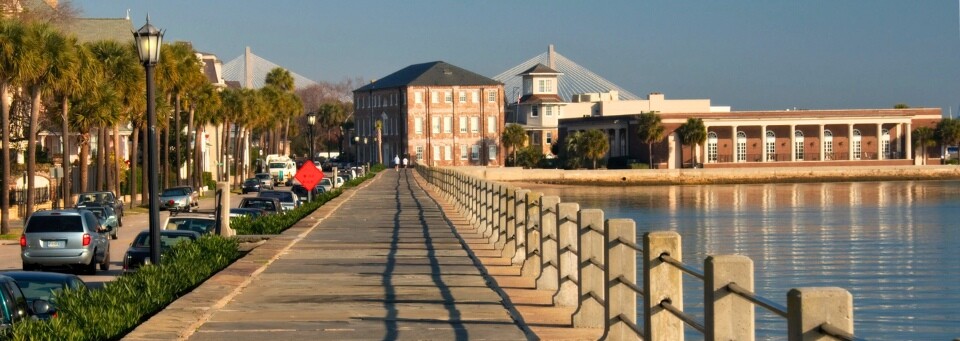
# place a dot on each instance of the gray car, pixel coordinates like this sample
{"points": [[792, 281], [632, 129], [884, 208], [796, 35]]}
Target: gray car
{"points": [[69, 237], [288, 200], [183, 199], [107, 217]]}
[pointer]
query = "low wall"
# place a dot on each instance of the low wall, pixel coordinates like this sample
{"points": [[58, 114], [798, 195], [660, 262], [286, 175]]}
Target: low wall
{"points": [[713, 176]]}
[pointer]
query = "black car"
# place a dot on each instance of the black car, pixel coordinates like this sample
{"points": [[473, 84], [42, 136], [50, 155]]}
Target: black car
{"points": [[251, 213], [42, 286], [251, 185], [102, 199], [139, 251], [301, 191], [268, 205]]}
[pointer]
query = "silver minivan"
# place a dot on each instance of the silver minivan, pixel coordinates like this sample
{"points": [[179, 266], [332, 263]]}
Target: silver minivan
{"points": [[72, 237]]}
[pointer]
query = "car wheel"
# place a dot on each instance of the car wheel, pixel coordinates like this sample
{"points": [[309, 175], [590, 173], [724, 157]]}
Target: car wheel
{"points": [[120, 221], [91, 269], [106, 262], [29, 267], [116, 231]]}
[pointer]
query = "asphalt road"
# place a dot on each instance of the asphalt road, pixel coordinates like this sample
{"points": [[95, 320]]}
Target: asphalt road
{"points": [[133, 223]]}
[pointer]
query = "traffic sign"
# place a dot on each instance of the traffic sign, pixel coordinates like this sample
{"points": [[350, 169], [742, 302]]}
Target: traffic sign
{"points": [[308, 175]]}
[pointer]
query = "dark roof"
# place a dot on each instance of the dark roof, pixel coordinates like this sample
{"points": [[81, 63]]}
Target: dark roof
{"points": [[539, 68], [233, 84], [433, 73], [96, 29], [541, 98], [210, 70]]}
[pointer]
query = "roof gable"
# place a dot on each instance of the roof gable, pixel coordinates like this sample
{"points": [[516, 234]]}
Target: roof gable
{"points": [[540, 69], [437, 73]]}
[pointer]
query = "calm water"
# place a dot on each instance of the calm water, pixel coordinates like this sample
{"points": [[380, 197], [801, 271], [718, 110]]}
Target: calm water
{"points": [[894, 245]]}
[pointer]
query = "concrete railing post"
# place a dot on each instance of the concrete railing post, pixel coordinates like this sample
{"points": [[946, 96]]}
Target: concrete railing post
{"points": [[502, 208], [809, 308], [726, 315], [567, 236], [520, 225], [621, 276], [510, 223], [531, 267], [591, 312], [549, 252], [661, 281], [492, 219]]}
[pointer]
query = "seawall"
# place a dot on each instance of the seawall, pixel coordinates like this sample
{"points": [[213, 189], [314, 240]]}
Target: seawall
{"points": [[643, 177]]}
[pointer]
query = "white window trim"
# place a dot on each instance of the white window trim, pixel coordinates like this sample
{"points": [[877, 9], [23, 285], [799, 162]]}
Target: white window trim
{"points": [[463, 152], [492, 151], [418, 125], [474, 124]]}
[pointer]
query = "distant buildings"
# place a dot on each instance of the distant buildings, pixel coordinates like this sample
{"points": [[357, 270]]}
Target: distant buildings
{"points": [[434, 113]]}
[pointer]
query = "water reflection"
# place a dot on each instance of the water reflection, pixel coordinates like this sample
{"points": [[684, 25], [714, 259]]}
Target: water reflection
{"points": [[894, 245]]}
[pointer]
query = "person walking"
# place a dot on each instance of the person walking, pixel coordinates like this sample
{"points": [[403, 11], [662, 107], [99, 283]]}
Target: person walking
{"points": [[404, 162], [396, 163]]}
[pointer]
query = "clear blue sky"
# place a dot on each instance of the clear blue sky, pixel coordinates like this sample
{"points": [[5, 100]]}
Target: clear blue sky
{"points": [[752, 55]]}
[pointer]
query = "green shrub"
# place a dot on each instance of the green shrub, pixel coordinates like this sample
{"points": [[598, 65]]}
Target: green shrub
{"points": [[208, 181], [121, 305]]}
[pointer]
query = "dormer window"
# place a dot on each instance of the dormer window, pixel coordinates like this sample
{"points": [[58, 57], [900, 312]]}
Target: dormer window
{"points": [[542, 85]]}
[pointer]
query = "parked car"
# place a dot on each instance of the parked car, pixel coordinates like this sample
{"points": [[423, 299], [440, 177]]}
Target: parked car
{"points": [[251, 185], [40, 286], [68, 237], [107, 217], [252, 213], [268, 205], [288, 200], [326, 184], [104, 199], [182, 198], [200, 224], [13, 304], [301, 191], [139, 252], [266, 181]]}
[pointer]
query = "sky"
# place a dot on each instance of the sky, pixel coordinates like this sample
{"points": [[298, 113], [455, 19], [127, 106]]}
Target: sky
{"points": [[751, 55]]}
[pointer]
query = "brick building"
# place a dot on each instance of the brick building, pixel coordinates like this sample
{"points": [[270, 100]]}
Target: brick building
{"points": [[433, 113]]}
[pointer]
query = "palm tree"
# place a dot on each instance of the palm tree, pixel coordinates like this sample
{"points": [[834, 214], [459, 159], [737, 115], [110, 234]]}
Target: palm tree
{"points": [[693, 133], [514, 137], [331, 116], [207, 104], [948, 132], [177, 73], [379, 125], [64, 88], [650, 130], [572, 146], [282, 80], [924, 137], [594, 145], [12, 64]]}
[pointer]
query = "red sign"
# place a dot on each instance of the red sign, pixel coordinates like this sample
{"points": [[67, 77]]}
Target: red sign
{"points": [[308, 175]]}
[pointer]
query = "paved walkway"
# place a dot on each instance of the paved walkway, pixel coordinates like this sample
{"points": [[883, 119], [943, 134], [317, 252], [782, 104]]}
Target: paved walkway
{"points": [[380, 262]]}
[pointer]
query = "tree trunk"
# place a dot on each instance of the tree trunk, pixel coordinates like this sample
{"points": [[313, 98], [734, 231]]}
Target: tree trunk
{"points": [[176, 140], [238, 154], [286, 137], [198, 159], [65, 132], [165, 155], [84, 156], [650, 154], [190, 155], [101, 149], [5, 158], [224, 150], [116, 160], [32, 147], [134, 156]]}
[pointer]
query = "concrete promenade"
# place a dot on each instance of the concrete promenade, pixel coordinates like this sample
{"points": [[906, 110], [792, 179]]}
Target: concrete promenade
{"points": [[382, 261]]}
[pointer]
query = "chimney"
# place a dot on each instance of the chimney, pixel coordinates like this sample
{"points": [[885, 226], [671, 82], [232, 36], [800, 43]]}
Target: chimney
{"points": [[550, 54], [248, 69]]}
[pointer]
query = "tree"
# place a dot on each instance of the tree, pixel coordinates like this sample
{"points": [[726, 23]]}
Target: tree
{"points": [[924, 137], [693, 133], [948, 132], [530, 157], [901, 106], [178, 72], [594, 145], [65, 88], [331, 116], [12, 65], [282, 80], [514, 137], [650, 130], [572, 150]]}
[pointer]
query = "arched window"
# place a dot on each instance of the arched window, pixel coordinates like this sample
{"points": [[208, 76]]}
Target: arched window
{"points": [[770, 143], [856, 145], [827, 145], [798, 145], [711, 147], [741, 146]]}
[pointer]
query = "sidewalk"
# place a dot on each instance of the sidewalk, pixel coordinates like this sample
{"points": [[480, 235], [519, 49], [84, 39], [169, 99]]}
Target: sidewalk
{"points": [[379, 262]]}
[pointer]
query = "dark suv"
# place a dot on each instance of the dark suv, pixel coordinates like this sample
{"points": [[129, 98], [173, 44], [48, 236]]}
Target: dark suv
{"points": [[102, 199], [72, 237]]}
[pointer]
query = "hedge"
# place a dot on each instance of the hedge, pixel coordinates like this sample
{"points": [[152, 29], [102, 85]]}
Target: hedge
{"points": [[121, 305]]}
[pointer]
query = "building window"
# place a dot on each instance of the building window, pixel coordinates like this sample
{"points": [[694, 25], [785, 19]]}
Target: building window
{"points": [[419, 152], [856, 145], [447, 153], [475, 97], [885, 143], [447, 97], [548, 110], [447, 124], [418, 125], [827, 145], [463, 152], [475, 152], [798, 145], [534, 111], [741, 146], [491, 124], [771, 145], [542, 85], [436, 153], [711, 147], [491, 96], [535, 138], [549, 86], [433, 97], [492, 152], [549, 137], [474, 124], [418, 97], [463, 124], [463, 97], [436, 125]]}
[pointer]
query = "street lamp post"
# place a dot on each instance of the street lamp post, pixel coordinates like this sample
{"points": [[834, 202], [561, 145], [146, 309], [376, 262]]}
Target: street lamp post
{"points": [[311, 120], [149, 40], [356, 150]]}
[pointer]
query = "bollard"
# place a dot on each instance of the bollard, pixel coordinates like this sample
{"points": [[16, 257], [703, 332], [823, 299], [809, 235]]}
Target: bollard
{"points": [[591, 312], [502, 208], [225, 230], [621, 276], [809, 308], [334, 179], [726, 315], [509, 246], [520, 226], [531, 266], [549, 278], [567, 242], [661, 281]]}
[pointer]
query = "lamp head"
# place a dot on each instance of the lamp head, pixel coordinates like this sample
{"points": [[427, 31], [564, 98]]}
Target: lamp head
{"points": [[148, 40], [312, 118]]}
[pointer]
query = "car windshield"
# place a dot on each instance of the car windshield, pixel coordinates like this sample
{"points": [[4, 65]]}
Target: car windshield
{"points": [[283, 196], [202, 226], [54, 223], [263, 176], [252, 181], [325, 181], [166, 240], [173, 192], [35, 289], [278, 165], [261, 204]]}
